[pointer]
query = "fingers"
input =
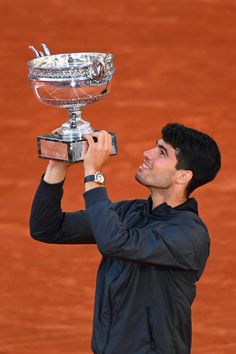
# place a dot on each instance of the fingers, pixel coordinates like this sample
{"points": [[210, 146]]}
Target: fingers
{"points": [[104, 140], [89, 139], [55, 131], [98, 151], [108, 142], [99, 134]]}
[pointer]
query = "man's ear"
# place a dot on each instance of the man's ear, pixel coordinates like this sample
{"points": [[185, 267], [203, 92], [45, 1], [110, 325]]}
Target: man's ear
{"points": [[184, 176]]}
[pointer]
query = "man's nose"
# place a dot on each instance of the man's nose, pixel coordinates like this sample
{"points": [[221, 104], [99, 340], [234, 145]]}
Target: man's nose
{"points": [[148, 154]]}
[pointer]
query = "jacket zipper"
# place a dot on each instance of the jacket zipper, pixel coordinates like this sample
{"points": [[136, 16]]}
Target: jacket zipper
{"points": [[150, 327]]}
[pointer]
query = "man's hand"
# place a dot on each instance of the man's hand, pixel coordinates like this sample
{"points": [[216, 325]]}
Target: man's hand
{"points": [[56, 171], [98, 152]]}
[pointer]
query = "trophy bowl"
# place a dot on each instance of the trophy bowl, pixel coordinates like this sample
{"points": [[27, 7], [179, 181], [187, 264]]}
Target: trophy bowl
{"points": [[70, 81]]}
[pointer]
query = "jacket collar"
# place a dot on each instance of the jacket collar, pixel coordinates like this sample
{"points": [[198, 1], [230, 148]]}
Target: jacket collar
{"points": [[165, 209]]}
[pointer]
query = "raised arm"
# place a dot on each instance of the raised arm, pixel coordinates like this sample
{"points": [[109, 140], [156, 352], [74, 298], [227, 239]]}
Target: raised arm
{"points": [[47, 221], [179, 244]]}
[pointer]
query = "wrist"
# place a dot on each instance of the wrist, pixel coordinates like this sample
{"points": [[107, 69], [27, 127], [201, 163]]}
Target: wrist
{"points": [[90, 171], [55, 173], [97, 178]]}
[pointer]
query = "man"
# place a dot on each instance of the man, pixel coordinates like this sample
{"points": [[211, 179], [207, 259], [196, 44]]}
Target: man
{"points": [[153, 251]]}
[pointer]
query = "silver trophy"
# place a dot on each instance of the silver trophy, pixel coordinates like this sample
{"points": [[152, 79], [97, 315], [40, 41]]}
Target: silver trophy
{"points": [[69, 81]]}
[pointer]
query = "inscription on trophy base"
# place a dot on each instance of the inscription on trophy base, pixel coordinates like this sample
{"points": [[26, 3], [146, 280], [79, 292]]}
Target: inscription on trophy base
{"points": [[54, 147]]}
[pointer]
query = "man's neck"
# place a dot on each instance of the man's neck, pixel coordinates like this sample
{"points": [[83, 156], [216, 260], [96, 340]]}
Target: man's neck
{"points": [[160, 196]]}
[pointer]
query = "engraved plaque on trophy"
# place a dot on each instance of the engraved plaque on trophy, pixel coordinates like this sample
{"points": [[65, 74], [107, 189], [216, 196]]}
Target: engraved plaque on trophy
{"points": [[70, 81]]}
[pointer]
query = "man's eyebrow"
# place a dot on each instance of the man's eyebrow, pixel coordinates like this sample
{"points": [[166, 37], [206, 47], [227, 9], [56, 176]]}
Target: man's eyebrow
{"points": [[162, 147]]}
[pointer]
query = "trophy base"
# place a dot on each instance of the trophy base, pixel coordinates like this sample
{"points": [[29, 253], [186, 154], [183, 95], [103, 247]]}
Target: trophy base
{"points": [[55, 147]]}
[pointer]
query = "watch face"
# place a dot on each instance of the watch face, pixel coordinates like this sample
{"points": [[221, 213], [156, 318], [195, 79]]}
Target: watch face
{"points": [[99, 178]]}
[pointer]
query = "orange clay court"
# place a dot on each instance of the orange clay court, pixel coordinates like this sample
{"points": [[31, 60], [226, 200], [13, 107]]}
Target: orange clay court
{"points": [[176, 62]]}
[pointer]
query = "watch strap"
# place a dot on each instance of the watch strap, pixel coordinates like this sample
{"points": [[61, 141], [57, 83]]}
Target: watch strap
{"points": [[90, 178], [97, 178]]}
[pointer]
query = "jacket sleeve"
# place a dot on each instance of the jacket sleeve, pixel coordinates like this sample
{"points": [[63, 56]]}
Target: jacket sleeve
{"points": [[172, 246], [49, 224]]}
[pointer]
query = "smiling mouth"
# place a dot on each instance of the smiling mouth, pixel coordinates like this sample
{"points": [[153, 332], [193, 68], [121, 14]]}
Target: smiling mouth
{"points": [[144, 166]]}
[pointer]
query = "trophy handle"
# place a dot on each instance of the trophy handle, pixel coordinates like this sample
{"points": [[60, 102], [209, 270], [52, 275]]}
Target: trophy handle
{"points": [[38, 53]]}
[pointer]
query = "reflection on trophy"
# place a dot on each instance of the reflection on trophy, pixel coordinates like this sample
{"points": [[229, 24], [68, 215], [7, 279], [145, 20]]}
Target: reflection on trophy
{"points": [[70, 81]]}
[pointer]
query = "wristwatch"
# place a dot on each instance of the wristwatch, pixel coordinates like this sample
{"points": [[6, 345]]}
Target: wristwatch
{"points": [[97, 178]]}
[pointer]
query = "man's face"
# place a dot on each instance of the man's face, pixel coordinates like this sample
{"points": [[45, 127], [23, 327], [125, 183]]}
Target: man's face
{"points": [[158, 167]]}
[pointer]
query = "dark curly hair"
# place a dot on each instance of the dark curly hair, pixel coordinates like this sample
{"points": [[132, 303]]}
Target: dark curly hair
{"points": [[195, 151]]}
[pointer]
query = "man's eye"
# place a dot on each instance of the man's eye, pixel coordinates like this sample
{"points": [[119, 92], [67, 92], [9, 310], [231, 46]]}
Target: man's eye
{"points": [[162, 153]]}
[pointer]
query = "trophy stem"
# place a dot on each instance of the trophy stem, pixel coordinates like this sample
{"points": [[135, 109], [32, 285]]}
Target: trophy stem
{"points": [[75, 118], [76, 126]]}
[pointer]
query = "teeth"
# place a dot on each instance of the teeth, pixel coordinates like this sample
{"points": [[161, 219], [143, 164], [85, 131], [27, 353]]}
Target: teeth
{"points": [[145, 166]]}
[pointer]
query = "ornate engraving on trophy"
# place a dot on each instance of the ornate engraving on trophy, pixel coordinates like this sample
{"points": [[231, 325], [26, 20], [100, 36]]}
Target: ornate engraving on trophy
{"points": [[70, 81]]}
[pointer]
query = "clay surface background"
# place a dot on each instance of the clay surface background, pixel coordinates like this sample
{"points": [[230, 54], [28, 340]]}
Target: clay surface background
{"points": [[176, 61]]}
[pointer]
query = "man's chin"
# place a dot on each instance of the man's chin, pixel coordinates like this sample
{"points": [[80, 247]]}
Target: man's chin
{"points": [[139, 178]]}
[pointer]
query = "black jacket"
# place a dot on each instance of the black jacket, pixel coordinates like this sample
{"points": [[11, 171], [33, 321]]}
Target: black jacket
{"points": [[151, 260]]}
